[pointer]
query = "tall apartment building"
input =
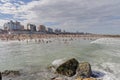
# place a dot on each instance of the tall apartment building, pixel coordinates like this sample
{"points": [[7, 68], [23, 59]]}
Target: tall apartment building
{"points": [[31, 27], [11, 26], [42, 28], [50, 30]]}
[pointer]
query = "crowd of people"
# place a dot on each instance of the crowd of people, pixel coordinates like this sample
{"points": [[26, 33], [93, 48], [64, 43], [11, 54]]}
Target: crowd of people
{"points": [[45, 38]]}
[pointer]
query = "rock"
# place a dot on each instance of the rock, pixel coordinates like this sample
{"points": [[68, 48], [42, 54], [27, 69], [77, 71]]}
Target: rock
{"points": [[97, 74], [84, 70], [89, 79], [10, 73], [57, 79], [86, 79], [79, 79], [0, 76], [66, 67]]}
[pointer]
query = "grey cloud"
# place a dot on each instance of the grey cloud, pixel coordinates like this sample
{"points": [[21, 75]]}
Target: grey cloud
{"points": [[74, 14], [70, 10]]}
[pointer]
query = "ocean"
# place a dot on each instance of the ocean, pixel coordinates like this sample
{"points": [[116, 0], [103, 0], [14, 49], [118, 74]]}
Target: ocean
{"points": [[103, 54]]}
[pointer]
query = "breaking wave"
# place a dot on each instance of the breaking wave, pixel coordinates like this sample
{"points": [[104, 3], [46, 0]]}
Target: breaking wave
{"points": [[107, 41]]}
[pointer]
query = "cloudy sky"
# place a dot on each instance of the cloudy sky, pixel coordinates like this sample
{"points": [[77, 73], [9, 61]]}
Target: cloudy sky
{"points": [[95, 16]]}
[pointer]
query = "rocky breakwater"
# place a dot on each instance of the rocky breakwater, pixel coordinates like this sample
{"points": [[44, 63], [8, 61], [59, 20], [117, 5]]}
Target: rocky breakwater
{"points": [[10, 73], [5, 75], [72, 68]]}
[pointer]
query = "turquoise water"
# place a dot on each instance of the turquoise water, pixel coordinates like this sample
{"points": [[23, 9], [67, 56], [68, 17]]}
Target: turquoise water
{"points": [[103, 54]]}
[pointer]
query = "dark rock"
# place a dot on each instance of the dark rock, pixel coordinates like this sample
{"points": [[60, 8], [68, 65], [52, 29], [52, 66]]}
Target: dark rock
{"points": [[58, 78], [97, 74], [10, 73], [66, 67], [0, 76], [84, 70]]}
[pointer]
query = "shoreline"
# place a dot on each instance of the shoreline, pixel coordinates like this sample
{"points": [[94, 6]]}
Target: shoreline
{"points": [[23, 37]]}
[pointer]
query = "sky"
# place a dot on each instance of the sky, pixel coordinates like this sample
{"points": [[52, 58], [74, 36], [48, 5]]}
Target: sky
{"points": [[93, 16]]}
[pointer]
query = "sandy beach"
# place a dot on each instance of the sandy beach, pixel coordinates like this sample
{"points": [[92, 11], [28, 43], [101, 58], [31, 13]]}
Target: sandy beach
{"points": [[36, 37]]}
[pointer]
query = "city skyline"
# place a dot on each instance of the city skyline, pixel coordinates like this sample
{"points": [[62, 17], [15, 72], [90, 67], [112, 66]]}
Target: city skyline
{"points": [[94, 16]]}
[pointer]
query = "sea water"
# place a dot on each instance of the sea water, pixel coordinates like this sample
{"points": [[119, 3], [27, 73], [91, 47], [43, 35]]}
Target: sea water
{"points": [[103, 54]]}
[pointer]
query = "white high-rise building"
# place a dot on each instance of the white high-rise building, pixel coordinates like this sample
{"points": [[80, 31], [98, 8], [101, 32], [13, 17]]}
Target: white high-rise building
{"points": [[11, 26]]}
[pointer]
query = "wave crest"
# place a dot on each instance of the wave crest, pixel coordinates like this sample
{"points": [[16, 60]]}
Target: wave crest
{"points": [[110, 41]]}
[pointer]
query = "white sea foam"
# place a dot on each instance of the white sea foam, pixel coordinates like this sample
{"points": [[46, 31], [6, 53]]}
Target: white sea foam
{"points": [[58, 62], [110, 41], [108, 70]]}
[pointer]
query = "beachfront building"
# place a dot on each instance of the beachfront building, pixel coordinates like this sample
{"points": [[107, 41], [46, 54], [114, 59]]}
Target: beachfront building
{"points": [[11, 26], [1, 31], [22, 27], [31, 27], [49, 30], [42, 28], [57, 30]]}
